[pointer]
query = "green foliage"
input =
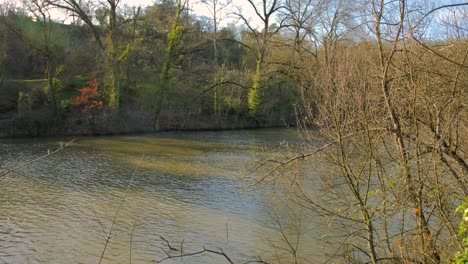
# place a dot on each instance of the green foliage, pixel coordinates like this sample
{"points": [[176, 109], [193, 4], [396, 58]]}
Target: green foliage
{"points": [[57, 85], [462, 257], [255, 97], [124, 56], [171, 58], [232, 103], [65, 104], [143, 96], [174, 37], [76, 82]]}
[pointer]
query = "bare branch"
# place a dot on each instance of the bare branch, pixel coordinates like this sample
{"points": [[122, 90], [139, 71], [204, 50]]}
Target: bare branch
{"points": [[38, 159]]}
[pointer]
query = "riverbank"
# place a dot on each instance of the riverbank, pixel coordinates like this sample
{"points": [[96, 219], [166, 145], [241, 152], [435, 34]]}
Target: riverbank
{"points": [[134, 123]]}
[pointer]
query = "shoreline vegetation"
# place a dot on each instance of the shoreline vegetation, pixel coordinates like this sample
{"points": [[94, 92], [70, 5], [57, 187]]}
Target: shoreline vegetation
{"points": [[7, 134], [10, 128]]}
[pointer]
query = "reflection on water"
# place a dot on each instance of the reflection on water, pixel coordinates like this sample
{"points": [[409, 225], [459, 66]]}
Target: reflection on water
{"points": [[187, 187]]}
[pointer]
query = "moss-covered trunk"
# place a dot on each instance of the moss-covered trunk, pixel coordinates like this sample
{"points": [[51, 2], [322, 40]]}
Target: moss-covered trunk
{"points": [[171, 57], [255, 97], [112, 62]]}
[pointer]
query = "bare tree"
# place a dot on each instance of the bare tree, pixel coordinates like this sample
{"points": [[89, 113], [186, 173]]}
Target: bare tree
{"points": [[302, 17], [216, 7], [265, 12], [390, 108]]}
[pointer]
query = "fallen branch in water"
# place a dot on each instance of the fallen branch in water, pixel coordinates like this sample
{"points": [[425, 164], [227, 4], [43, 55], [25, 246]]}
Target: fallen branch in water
{"points": [[36, 160]]}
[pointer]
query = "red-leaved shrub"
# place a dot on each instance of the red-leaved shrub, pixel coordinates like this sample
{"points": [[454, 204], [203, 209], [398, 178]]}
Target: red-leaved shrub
{"points": [[89, 98]]}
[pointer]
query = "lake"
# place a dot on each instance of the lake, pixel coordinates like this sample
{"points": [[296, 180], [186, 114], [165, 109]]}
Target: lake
{"points": [[188, 186]]}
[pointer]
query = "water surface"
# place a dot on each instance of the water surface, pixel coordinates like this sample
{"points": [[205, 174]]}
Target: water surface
{"points": [[186, 187]]}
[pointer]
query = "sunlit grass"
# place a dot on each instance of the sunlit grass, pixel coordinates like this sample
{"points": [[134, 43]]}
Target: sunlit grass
{"points": [[28, 81]]}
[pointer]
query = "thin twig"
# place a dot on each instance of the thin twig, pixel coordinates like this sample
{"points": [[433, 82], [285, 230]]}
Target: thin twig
{"points": [[227, 229], [205, 250], [36, 160], [182, 255], [131, 241], [281, 164], [436, 9], [118, 209], [168, 244]]}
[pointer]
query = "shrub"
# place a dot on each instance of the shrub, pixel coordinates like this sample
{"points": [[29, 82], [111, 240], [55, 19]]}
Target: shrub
{"points": [[89, 98]]}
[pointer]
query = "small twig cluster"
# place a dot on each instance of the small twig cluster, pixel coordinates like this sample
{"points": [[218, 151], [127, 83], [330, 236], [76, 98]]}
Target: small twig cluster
{"points": [[181, 254]]}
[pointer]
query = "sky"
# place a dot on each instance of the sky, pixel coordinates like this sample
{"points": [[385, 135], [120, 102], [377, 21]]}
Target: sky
{"points": [[201, 9], [196, 6]]}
